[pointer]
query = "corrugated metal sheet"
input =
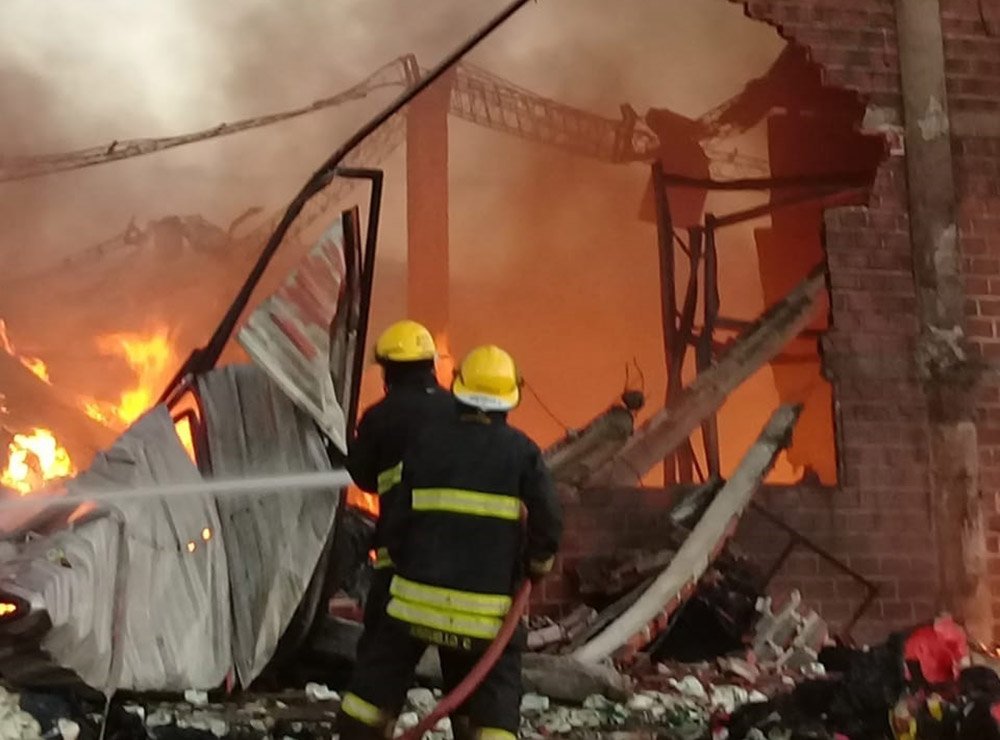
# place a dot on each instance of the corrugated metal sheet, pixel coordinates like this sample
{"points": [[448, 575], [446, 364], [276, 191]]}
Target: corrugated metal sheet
{"points": [[273, 542], [137, 596], [289, 334]]}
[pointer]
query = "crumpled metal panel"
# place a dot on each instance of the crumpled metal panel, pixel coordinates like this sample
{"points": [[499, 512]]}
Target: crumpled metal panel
{"points": [[273, 542], [288, 335], [138, 593]]}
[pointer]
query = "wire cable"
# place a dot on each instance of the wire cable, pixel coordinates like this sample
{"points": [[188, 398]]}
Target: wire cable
{"points": [[566, 428]]}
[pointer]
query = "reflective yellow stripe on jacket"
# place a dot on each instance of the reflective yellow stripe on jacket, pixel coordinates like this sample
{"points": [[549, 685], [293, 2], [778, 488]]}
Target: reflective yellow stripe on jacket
{"points": [[470, 625], [382, 559], [363, 711], [389, 477], [494, 733], [460, 501], [449, 599]]}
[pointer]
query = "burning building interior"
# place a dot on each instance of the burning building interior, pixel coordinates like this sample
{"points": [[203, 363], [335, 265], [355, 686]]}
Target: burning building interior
{"points": [[744, 255]]}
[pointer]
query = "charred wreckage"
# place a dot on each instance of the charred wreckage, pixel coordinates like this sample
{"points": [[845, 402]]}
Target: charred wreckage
{"points": [[115, 589], [116, 598]]}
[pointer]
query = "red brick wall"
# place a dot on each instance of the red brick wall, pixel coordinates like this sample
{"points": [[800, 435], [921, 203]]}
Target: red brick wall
{"points": [[602, 521], [972, 54], [878, 518]]}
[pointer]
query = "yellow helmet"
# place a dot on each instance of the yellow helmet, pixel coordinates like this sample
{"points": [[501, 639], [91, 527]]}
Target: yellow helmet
{"points": [[405, 341], [488, 380]]}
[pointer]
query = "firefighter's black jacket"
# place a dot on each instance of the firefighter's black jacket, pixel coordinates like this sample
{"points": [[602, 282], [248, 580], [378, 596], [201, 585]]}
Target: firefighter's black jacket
{"points": [[460, 531], [412, 400]]}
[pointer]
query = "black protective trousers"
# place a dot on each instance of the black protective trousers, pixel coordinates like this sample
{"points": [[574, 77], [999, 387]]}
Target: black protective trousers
{"points": [[387, 659]]}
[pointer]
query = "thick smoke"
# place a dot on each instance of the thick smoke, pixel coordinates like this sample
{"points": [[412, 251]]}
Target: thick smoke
{"points": [[548, 255]]}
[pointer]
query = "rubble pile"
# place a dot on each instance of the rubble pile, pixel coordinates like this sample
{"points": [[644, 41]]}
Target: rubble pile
{"points": [[15, 723], [297, 715]]}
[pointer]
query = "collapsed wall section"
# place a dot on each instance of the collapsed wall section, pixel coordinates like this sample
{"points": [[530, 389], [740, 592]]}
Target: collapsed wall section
{"points": [[877, 519]]}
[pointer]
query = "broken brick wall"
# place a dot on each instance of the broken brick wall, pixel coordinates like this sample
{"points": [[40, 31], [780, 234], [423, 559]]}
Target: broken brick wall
{"points": [[601, 522], [972, 56], [877, 519]]}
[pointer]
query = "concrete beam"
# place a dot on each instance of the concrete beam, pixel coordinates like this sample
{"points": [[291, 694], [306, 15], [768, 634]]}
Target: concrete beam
{"points": [[941, 354]]}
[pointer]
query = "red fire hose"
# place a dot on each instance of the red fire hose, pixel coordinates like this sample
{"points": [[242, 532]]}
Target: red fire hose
{"points": [[460, 693]]}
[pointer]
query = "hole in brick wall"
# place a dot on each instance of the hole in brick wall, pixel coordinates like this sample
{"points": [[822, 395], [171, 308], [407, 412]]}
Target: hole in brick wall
{"points": [[810, 130]]}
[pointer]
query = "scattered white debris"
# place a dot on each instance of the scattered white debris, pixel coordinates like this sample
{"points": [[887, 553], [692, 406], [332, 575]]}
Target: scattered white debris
{"points": [[160, 718], [420, 700], [69, 729], [406, 721], [196, 698], [443, 727], [728, 698], [641, 702], [534, 703], [320, 692], [259, 725], [691, 687], [814, 670]]}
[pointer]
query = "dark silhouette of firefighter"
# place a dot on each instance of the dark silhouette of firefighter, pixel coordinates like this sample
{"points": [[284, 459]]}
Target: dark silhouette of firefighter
{"points": [[413, 398], [460, 550]]}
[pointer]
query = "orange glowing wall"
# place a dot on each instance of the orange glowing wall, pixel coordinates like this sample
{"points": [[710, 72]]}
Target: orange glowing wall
{"points": [[789, 248], [427, 207]]}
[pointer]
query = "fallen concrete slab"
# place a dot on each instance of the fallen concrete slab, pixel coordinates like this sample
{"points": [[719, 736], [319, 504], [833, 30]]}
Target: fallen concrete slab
{"points": [[650, 614]]}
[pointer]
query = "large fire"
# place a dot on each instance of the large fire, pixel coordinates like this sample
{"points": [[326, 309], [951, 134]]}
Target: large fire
{"points": [[33, 460], [36, 457], [152, 358]]}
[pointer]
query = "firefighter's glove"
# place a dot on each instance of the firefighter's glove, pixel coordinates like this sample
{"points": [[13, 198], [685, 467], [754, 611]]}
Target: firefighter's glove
{"points": [[538, 569]]}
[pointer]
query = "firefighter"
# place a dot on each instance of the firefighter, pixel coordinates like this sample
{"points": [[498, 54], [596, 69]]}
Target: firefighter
{"points": [[460, 549], [412, 398]]}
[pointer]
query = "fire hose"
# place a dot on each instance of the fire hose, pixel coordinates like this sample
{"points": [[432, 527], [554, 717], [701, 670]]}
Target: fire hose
{"points": [[471, 682]]}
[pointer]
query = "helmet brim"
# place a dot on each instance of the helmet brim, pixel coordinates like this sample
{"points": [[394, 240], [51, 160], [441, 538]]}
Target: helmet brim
{"points": [[402, 357], [485, 401]]}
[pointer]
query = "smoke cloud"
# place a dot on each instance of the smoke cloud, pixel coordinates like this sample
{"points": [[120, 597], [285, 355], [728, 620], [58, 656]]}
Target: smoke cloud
{"points": [[547, 253]]}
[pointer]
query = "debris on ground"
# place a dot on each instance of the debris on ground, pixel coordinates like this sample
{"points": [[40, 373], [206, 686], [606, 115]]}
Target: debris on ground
{"points": [[15, 723]]}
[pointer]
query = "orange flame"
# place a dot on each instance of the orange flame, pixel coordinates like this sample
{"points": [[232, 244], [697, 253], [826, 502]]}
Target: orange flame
{"points": [[444, 365], [5, 344], [33, 460], [184, 432], [152, 358], [36, 366], [33, 364], [367, 502]]}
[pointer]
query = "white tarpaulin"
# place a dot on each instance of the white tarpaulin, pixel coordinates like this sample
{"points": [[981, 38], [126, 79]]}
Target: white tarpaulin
{"points": [[137, 593], [289, 334], [273, 541]]}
